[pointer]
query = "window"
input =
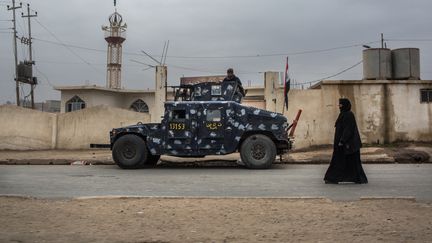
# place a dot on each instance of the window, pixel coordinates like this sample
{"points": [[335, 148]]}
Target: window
{"points": [[74, 104], [214, 115], [178, 114], [139, 106], [426, 96], [216, 90], [197, 92]]}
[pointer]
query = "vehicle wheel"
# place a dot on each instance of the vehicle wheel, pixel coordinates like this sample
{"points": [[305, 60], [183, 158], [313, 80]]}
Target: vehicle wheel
{"points": [[130, 152], [258, 152], [151, 161]]}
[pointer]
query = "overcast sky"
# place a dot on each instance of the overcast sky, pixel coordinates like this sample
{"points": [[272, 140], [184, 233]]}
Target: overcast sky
{"points": [[206, 37]]}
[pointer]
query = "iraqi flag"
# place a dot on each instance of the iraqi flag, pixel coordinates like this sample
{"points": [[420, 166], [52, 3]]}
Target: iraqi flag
{"points": [[287, 84]]}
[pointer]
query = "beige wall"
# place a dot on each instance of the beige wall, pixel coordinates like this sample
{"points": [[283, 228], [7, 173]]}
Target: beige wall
{"points": [[129, 99], [313, 127], [94, 97], [160, 93], [91, 98], [79, 129], [385, 112], [260, 104], [271, 85], [24, 129], [28, 129], [408, 118]]}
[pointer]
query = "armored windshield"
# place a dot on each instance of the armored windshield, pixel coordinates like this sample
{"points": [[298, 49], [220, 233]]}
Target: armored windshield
{"points": [[210, 91]]}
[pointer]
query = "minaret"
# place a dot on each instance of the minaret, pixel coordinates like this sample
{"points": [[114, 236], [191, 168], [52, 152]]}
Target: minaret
{"points": [[115, 35]]}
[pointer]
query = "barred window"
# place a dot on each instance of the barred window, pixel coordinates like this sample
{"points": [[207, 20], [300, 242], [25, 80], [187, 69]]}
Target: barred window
{"points": [[74, 104], [139, 106], [426, 96]]}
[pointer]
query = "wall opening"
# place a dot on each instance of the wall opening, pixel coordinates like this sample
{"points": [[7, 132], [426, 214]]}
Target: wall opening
{"points": [[139, 106], [74, 104], [426, 96]]}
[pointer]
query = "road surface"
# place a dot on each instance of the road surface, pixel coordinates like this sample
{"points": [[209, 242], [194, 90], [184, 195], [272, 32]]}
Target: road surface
{"points": [[390, 180]]}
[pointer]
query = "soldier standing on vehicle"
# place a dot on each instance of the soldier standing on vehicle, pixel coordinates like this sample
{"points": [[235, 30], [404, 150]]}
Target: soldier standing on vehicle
{"points": [[231, 77]]}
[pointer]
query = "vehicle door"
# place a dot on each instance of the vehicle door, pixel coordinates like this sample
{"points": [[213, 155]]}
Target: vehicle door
{"points": [[179, 130], [211, 131]]}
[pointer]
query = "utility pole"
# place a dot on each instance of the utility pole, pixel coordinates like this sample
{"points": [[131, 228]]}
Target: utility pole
{"points": [[15, 49], [382, 40], [31, 62]]}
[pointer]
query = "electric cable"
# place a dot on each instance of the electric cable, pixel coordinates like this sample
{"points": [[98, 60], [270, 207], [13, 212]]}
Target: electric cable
{"points": [[331, 76], [45, 76], [409, 40], [67, 47], [221, 57]]}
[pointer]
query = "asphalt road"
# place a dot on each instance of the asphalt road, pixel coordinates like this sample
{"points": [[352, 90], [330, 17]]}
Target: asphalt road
{"points": [[390, 180]]}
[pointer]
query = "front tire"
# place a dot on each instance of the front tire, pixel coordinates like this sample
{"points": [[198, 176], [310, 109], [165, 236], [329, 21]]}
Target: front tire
{"points": [[258, 152], [130, 152]]}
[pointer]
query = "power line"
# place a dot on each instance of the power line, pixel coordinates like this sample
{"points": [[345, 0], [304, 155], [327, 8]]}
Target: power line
{"points": [[221, 57], [191, 69], [410, 40], [67, 47], [45, 76], [331, 76]]}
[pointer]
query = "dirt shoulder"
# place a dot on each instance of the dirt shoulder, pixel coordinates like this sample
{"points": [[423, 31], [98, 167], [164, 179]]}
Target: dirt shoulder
{"points": [[213, 220], [400, 153]]}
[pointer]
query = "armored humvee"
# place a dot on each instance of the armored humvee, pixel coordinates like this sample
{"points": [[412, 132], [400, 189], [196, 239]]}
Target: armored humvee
{"points": [[204, 119]]}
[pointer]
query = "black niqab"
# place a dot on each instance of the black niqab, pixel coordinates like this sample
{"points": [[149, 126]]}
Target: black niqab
{"points": [[345, 165]]}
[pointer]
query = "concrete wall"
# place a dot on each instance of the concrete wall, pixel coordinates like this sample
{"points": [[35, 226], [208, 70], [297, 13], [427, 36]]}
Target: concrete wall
{"points": [[149, 99], [260, 104], [28, 129], [386, 111], [271, 84], [160, 94], [24, 129], [409, 120], [91, 98], [94, 97], [315, 125], [76, 130]]}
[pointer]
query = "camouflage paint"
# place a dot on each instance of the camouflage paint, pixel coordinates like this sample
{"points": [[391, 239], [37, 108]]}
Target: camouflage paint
{"points": [[212, 127]]}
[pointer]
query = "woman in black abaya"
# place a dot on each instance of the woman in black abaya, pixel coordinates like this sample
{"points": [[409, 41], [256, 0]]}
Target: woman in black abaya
{"points": [[345, 165]]}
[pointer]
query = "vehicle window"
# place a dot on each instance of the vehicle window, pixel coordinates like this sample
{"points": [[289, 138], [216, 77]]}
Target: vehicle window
{"points": [[214, 115], [178, 114], [197, 92], [216, 90]]}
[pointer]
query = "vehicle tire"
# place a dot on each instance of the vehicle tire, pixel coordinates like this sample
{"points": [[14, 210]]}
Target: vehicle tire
{"points": [[151, 161], [130, 152], [258, 152]]}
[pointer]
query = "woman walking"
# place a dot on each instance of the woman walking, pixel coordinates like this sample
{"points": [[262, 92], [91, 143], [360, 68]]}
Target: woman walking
{"points": [[345, 165]]}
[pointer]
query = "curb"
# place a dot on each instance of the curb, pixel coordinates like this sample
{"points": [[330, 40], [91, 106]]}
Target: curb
{"points": [[305, 198], [52, 162], [198, 163], [197, 197], [412, 199]]}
